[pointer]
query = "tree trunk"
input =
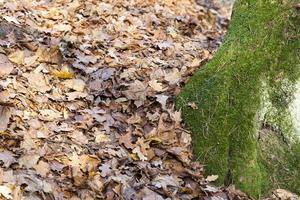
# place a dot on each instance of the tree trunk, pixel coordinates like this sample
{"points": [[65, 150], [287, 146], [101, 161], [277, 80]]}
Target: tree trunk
{"points": [[250, 80]]}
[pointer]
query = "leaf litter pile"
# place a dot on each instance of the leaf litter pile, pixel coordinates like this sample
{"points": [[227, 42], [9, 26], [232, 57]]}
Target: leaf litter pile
{"points": [[87, 95]]}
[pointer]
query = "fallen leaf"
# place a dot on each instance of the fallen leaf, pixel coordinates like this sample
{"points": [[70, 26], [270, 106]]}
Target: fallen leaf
{"points": [[51, 55], [75, 84], [155, 85], [75, 95], [34, 184], [193, 105], [137, 92], [162, 99], [29, 160], [17, 57], [137, 151], [42, 168], [105, 169], [147, 194], [63, 74], [173, 77], [6, 67], [50, 115], [11, 19], [126, 140], [89, 164], [102, 138], [284, 195], [163, 181], [37, 82], [6, 192], [211, 178], [7, 158], [5, 114]]}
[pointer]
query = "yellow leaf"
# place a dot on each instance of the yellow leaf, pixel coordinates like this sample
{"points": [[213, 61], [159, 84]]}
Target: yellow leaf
{"points": [[154, 139], [102, 138], [17, 57], [4, 133], [133, 156], [186, 190], [63, 74]]}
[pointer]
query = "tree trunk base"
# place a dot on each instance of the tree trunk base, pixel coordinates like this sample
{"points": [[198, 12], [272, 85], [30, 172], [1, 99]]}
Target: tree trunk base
{"points": [[250, 80]]}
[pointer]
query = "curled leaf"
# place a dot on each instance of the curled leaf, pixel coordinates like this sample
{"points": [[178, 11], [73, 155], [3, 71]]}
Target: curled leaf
{"points": [[63, 74]]}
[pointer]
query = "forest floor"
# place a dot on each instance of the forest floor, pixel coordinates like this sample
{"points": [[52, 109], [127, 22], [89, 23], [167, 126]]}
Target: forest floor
{"points": [[87, 98]]}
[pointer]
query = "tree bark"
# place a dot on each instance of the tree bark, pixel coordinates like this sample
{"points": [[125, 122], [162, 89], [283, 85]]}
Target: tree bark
{"points": [[250, 79]]}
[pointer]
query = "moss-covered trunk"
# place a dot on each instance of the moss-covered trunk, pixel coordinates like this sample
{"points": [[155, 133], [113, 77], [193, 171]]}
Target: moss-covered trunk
{"points": [[257, 67]]}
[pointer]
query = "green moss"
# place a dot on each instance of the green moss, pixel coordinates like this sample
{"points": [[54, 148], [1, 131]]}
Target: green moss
{"points": [[280, 162], [260, 55]]}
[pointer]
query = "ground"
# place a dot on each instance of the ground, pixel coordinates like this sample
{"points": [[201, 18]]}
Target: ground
{"points": [[87, 98]]}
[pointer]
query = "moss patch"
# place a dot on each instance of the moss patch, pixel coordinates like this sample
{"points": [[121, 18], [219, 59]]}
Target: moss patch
{"points": [[259, 56], [279, 161]]}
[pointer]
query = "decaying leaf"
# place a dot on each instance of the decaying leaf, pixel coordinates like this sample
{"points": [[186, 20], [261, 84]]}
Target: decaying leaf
{"points": [[6, 192], [29, 160], [155, 85], [126, 140], [7, 158], [37, 82], [17, 57], [212, 178], [52, 55], [50, 115], [6, 66], [63, 74], [5, 114], [75, 84], [42, 168], [173, 77], [137, 92]]}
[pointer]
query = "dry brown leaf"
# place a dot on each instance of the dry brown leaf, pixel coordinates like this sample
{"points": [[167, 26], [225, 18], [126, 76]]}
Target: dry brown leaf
{"points": [[126, 140], [193, 105], [156, 85], [6, 67], [211, 178], [79, 137], [5, 114], [173, 77], [52, 55], [89, 164], [102, 138], [37, 82], [17, 57], [75, 95], [42, 168], [50, 115], [137, 151], [11, 19], [7, 158], [75, 84], [137, 92], [29, 160]]}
